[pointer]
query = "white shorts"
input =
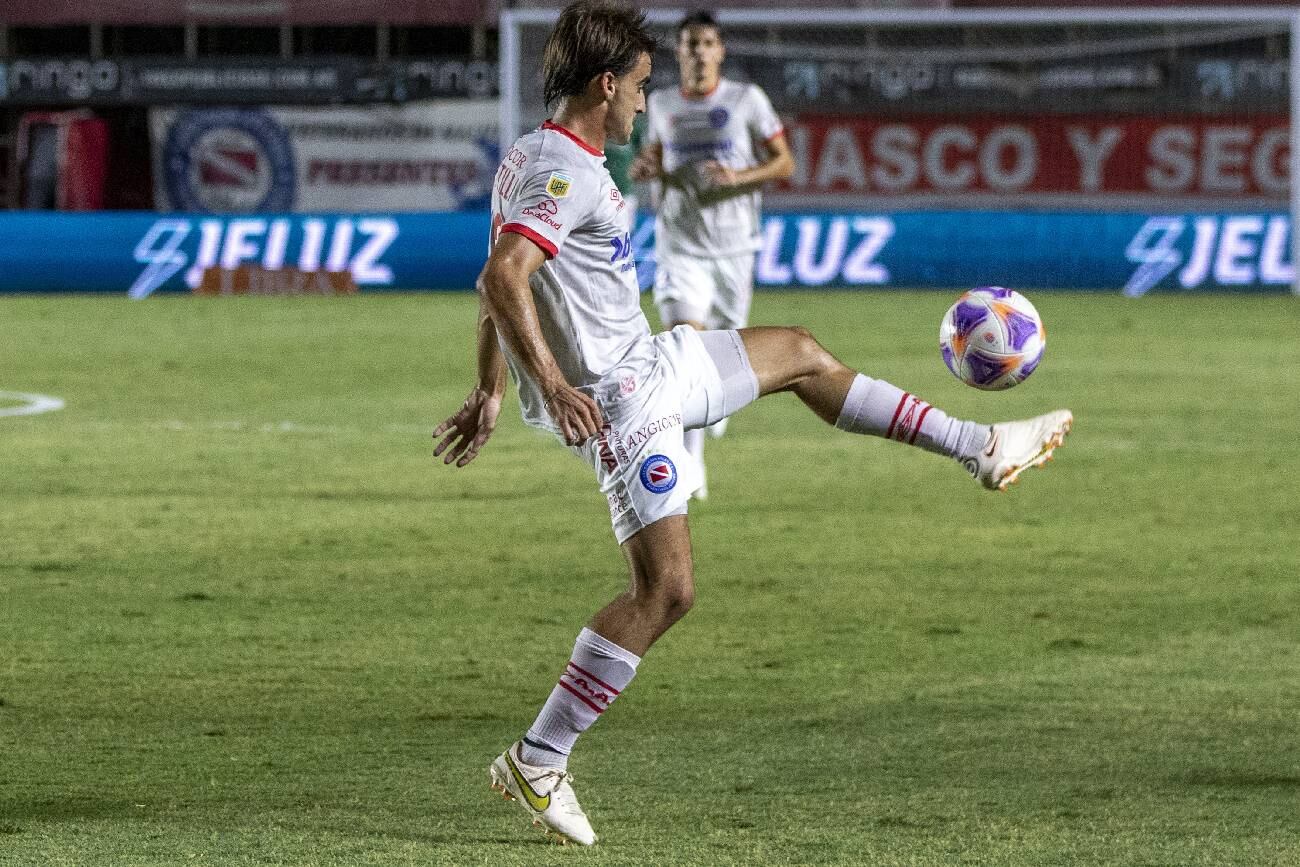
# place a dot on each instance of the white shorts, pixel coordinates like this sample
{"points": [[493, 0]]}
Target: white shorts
{"points": [[696, 379], [716, 292]]}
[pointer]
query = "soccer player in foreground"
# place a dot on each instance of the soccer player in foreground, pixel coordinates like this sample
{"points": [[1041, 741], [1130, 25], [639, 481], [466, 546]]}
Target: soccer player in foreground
{"points": [[559, 307], [713, 144]]}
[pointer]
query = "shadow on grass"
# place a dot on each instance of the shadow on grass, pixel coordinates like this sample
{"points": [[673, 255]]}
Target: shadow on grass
{"points": [[1241, 780], [18, 816]]}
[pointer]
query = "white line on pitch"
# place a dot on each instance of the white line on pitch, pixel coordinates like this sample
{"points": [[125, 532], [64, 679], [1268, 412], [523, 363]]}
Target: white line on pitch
{"points": [[30, 404]]}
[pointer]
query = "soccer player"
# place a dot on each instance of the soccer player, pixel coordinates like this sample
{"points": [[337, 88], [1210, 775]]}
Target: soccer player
{"points": [[559, 308], [713, 144]]}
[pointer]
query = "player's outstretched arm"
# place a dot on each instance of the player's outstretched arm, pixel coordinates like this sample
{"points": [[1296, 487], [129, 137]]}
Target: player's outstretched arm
{"points": [[504, 288], [469, 428]]}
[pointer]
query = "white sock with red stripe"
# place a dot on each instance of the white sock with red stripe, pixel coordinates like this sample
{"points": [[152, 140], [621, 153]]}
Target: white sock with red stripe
{"points": [[875, 407], [597, 672]]}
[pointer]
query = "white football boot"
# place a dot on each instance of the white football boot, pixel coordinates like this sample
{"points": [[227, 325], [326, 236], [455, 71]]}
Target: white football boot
{"points": [[1015, 446], [545, 793]]}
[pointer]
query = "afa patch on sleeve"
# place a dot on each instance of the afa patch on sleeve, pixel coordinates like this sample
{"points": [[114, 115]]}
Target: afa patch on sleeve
{"points": [[558, 185]]}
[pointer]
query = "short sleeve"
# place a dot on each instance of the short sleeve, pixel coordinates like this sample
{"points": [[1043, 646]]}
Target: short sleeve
{"points": [[764, 124], [551, 203]]}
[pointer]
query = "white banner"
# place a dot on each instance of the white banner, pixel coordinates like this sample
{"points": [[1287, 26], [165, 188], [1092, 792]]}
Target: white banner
{"points": [[426, 156]]}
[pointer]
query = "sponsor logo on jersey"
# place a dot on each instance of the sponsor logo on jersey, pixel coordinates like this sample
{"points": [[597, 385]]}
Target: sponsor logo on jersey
{"points": [[604, 452], [559, 184], [545, 211], [658, 475], [224, 160], [642, 435], [627, 385], [622, 247], [619, 501]]}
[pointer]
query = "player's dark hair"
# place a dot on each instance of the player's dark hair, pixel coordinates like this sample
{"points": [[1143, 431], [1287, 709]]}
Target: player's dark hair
{"points": [[592, 37], [699, 18]]}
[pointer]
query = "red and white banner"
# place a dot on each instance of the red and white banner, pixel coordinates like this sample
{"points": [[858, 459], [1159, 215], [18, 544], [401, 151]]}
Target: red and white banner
{"points": [[1133, 157], [438, 155]]}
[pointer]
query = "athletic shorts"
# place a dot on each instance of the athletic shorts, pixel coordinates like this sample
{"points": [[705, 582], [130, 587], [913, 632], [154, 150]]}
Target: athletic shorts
{"points": [[695, 379], [716, 292]]}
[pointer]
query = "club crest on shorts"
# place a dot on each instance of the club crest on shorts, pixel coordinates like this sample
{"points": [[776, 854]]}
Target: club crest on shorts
{"points": [[558, 185], [658, 474]]}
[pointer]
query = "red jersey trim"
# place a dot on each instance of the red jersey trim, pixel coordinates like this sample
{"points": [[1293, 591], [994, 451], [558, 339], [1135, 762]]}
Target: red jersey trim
{"points": [[582, 144], [779, 132], [520, 229]]}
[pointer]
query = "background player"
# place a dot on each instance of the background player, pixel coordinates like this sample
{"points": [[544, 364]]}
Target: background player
{"points": [[561, 308], [713, 143]]}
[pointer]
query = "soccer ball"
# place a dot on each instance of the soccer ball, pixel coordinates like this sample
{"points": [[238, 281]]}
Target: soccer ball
{"points": [[992, 338]]}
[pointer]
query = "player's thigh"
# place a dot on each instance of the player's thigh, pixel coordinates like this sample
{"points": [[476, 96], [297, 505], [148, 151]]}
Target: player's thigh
{"points": [[659, 557], [639, 458], [711, 372]]}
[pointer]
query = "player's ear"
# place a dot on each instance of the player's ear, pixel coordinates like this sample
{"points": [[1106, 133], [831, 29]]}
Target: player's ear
{"points": [[607, 82]]}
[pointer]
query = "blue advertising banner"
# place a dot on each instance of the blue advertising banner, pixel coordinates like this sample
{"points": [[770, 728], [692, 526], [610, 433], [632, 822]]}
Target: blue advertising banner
{"points": [[139, 254]]}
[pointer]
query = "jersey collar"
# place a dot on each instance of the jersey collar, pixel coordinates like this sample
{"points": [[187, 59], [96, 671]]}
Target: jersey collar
{"points": [[579, 142], [696, 96]]}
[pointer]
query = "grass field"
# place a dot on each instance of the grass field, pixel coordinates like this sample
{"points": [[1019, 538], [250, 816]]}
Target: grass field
{"points": [[245, 619]]}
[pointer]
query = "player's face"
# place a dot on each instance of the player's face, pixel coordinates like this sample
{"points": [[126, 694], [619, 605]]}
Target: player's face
{"points": [[699, 54], [628, 101]]}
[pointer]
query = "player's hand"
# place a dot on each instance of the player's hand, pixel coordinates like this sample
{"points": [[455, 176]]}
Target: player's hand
{"points": [[643, 168], [575, 414], [469, 428], [718, 175]]}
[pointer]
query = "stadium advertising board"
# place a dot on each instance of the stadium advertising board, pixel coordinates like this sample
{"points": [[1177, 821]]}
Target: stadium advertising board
{"points": [[244, 12], [1129, 157], [1212, 81], [427, 156], [141, 254], [82, 81]]}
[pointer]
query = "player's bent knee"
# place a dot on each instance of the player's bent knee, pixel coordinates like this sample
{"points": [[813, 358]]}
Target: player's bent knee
{"points": [[678, 600], [670, 594], [808, 356]]}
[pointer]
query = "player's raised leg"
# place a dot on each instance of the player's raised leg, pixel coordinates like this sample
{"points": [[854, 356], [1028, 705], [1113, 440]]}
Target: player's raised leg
{"points": [[791, 359], [605, 657]]}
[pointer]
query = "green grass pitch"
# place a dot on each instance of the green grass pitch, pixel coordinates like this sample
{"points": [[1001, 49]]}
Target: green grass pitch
{"points": [[245, 619]]}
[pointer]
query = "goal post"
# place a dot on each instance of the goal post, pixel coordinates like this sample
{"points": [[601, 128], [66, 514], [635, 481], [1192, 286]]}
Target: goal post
{"points": [[1157, 111]]}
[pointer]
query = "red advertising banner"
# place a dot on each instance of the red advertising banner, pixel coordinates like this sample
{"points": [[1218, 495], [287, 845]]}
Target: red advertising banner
{"points": [[1166, 157]]}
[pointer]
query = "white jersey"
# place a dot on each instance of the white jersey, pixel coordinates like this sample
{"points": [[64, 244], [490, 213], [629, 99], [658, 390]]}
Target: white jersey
{"points": [[553, 189], [723, 126]]}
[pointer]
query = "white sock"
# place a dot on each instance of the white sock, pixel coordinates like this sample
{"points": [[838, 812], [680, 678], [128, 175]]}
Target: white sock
{"points": [[875, 407], [597, 672]]}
